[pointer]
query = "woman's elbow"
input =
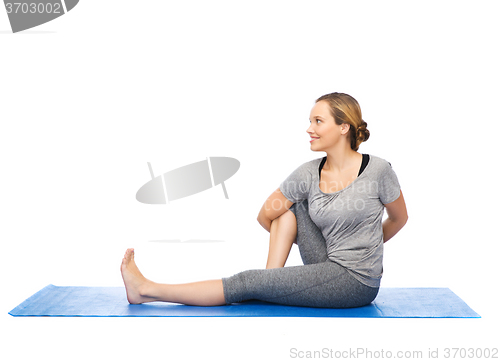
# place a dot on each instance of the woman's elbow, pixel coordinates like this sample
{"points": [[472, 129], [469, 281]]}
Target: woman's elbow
{"points": [[264, 222], [404, 220], [261, 216]]}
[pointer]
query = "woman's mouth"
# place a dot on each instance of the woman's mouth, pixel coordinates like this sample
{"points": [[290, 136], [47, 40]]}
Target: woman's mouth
{"points": [[313, 139]]}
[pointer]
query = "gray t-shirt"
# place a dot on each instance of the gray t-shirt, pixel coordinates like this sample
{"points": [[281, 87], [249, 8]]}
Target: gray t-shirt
{"points": [[349, 219]]}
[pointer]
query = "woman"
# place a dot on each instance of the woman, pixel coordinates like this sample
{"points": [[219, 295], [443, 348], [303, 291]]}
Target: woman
{"points": [[332, 207]]}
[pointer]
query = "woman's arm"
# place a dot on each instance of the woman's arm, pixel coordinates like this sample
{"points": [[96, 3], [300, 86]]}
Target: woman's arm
{"points": [[397, 217], [275, 206]]}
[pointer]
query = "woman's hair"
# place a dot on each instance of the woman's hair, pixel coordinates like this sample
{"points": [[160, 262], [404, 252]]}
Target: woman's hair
{"points": [[345, 109]]}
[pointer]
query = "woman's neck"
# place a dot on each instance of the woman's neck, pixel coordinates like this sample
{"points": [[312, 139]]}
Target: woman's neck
{"points": [[338, 161]]}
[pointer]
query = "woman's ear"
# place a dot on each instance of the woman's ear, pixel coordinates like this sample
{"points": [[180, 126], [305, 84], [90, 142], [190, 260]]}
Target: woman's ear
{"points": [[344, 128]]}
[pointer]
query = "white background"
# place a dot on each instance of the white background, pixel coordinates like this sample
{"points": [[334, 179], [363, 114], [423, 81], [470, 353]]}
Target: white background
{"points": [[89, 98]]}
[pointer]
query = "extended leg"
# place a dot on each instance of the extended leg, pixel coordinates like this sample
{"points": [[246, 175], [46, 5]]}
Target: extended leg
{"points": [[142, 290], [325, 285]]}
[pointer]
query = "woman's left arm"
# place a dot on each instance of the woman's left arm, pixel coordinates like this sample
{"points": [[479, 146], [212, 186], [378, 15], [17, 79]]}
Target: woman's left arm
{"points": [[397, 217]]}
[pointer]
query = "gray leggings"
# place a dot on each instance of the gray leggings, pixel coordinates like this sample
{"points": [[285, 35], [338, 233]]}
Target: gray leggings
{"points": [[320, 282]]}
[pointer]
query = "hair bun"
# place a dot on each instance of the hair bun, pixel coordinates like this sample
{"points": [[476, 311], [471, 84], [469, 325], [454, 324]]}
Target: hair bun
{"points": [[362, 132]]}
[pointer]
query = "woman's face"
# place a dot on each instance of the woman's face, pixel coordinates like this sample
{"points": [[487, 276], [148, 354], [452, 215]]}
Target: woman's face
{"points": [[324, 132]]}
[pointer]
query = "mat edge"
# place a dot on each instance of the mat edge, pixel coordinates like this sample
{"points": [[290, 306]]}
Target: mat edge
{"points": [[15, 312], [30, 299]]}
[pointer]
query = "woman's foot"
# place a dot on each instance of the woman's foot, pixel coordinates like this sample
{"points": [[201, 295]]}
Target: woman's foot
{"points": [[135, 283]]}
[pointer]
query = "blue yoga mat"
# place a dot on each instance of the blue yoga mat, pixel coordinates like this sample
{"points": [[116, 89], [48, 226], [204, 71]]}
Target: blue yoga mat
{"points": [[112, 302]]}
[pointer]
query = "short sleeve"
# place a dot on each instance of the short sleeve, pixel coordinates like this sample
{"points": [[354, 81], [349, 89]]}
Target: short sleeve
{"points": [[296, 186], [389, 188]]}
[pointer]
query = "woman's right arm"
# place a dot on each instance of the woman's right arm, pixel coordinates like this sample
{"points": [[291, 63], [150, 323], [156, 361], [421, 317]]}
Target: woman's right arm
{"points": [[275, 206]]}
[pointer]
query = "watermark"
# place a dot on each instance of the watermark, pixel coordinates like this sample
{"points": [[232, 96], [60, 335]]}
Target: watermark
{"points": [[355, 200], [353, 353], [362, 186], [335, 187], [31, 13], [366, 353], [188, 180], [344, 204]]}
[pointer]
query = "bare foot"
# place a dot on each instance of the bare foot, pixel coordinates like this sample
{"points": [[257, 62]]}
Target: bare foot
{"points": [[135, 282]]}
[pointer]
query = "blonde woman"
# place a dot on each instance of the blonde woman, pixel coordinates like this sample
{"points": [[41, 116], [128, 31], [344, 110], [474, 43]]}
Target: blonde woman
{"points": [[331, 207]]}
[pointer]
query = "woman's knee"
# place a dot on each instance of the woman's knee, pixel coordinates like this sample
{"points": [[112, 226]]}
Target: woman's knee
{"points": [[289, 217]]}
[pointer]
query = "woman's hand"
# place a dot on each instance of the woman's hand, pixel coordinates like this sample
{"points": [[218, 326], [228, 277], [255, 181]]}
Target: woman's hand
{"points": [[397, 217]]}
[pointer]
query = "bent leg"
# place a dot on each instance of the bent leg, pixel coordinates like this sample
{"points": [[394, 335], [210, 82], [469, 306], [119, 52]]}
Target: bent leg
{"points": [[281, 237], [324, 285], [295, 226], [310, 239]]}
